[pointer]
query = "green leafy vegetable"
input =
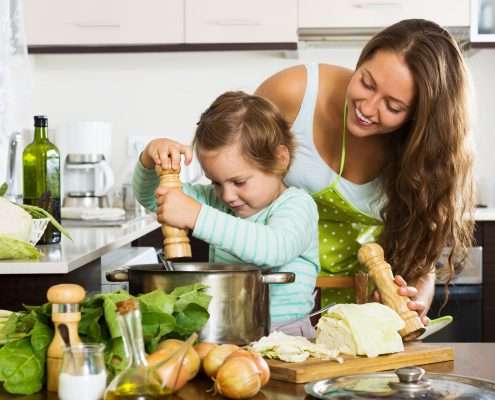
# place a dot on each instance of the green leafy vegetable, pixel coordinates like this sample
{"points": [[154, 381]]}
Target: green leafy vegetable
{"points": [[22, 361], [27, 334], [14, 249], [3, 188], [38, 212]]}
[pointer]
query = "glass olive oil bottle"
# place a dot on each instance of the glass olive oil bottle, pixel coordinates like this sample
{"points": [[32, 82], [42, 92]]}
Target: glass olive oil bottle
{"points": [[41, 173]]}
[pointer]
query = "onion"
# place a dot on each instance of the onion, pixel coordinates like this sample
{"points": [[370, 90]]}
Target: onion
{"points": [[215, 358], [179, 366], [260, 362], [238, 378], [204, 348]]}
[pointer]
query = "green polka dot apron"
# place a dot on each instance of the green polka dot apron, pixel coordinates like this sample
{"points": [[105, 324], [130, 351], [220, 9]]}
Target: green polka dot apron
{"points": [[342, 230]]}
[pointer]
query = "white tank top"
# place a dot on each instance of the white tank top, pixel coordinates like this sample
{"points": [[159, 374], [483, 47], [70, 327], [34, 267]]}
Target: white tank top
{"points": [[310, 172]]}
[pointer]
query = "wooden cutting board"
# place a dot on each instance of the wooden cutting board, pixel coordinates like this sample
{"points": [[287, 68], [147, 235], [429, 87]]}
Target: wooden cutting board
{"points": [[416, 353]]}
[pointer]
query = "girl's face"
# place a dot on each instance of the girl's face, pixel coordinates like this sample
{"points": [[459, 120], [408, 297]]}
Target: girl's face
{"points": [[380, 95], [238, 183]]}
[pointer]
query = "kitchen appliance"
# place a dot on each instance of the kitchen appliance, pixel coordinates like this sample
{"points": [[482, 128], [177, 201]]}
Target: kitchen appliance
{"points": [[239, 306], [465, 300], [88, 179], [404, 383], [86, 149], [14, 167]]}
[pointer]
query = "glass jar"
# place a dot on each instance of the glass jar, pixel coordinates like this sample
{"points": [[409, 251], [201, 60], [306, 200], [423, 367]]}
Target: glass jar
{"points": [[83, 375]]}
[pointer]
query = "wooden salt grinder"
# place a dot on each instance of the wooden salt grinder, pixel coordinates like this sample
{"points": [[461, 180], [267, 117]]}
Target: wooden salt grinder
{"points": [[65, 299], [372, 257], [176, 242]]}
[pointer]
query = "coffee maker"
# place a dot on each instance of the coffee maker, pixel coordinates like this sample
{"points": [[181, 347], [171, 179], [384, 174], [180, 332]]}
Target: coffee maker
{"points": [[87, 176]]}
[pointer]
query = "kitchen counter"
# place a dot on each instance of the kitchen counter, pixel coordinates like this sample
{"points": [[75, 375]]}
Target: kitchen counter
{"points": [[471, 359], [484, 214], [88, 244]]}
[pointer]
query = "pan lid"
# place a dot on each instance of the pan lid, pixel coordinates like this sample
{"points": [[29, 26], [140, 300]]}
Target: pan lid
{"points": [[404, 383]]}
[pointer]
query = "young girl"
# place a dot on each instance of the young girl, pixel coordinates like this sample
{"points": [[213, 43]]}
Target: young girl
{"points": [[247, 214]]}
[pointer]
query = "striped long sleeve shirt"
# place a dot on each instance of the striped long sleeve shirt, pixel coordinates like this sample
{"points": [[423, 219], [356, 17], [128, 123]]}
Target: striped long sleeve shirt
{"points": [[282, 237]]}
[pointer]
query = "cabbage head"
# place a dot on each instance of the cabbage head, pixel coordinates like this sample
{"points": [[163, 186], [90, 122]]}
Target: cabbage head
{"points": [[14, 221], [14, 249]]}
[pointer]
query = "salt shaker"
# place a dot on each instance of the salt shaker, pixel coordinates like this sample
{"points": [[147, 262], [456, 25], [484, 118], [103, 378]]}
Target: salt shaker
{"points": [[65, 299]]}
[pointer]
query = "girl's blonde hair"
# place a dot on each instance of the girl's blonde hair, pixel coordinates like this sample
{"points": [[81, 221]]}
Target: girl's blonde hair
{"points": [[428, 178], [252, 121]]}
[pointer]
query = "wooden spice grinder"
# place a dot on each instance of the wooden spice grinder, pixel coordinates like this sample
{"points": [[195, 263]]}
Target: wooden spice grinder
{"points": [[372, 257], [176, 242], [65, 299]]}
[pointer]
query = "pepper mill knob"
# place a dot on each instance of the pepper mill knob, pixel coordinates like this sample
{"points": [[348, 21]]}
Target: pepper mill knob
{"points": [[372, 257], [66, 293], [176, 242]]}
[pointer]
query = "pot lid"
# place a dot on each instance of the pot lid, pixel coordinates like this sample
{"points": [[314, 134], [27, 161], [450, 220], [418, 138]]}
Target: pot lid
{"points": [[404, 383]]}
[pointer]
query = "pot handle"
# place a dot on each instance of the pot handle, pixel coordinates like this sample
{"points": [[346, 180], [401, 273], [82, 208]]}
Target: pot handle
{"points": [[117, 275], [278, 277]]}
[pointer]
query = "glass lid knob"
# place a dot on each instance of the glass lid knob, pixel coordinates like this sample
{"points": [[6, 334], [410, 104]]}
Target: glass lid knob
{"points": [[410, 374]]}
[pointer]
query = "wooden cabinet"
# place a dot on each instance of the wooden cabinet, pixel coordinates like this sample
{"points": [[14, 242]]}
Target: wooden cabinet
{"points": [[103, 22], [240, 21], [380, 13], [485, 236]]}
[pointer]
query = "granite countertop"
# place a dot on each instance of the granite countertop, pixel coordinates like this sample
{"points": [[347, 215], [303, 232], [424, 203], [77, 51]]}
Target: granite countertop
{"points": [[89, 243]]}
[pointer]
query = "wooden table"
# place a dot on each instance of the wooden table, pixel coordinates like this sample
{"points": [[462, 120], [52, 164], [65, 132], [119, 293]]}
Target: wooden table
{"points": [[471, 359]]}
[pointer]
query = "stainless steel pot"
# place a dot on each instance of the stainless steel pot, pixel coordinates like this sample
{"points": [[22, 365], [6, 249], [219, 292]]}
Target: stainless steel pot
{"points": [[239, 308]]}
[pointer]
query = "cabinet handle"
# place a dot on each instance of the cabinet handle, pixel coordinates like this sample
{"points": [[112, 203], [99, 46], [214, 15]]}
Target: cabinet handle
{"points": [[377, 4], [112, 25], [234, 22]]}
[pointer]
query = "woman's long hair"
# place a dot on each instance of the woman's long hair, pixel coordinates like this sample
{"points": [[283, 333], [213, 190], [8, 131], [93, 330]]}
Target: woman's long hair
{"points": [[428, 177]]}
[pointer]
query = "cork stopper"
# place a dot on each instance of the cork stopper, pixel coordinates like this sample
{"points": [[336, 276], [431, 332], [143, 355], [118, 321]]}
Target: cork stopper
{"points": [[66, 293], [126, 306]]}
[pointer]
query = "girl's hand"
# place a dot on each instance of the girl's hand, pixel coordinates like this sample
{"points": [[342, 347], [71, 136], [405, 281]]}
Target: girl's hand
{"points": [[175, 208], [411, 292], [165, 152]]}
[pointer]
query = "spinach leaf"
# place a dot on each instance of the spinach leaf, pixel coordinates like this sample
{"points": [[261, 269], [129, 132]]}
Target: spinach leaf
{"points": [[22, 362]]}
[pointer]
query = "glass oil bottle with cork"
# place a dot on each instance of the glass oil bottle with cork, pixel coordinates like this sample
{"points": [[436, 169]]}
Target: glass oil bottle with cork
{"points": [[138, 381]]}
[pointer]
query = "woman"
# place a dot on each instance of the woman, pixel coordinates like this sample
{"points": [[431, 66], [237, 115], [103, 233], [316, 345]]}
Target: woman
{"points": [[383, 149]]}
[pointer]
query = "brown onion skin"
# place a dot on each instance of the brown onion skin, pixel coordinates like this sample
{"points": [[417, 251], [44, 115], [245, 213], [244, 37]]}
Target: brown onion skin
{"points": [[167, 348], [215, 358], [204, 348], [238, 378], [260, 362]]}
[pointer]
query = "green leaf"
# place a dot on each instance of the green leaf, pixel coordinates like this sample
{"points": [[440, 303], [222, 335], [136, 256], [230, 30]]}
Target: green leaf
{"points": [[40, 212], [191, 294], [14, 249], [41, 336], [3, 188], [21, 370], [191, 319], [158, 298]]}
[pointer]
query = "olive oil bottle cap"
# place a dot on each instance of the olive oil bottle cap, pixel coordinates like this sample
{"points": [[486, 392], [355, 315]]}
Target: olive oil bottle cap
{"points": [[40, 121]]}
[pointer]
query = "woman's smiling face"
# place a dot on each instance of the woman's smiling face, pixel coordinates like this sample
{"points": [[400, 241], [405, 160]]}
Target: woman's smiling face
{"points": [[380, 95]]}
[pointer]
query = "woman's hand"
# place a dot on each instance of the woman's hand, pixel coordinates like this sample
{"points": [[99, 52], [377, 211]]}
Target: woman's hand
{"points": [[175, 208], [419, 301], [165, 152]]}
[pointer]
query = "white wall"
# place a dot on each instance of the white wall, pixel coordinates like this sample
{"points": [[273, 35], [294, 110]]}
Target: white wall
{"points": [[154, 94]]}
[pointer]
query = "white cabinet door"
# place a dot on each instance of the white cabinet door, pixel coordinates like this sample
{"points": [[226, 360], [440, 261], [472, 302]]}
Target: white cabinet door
{"points": [[241, 21], [380, 13], [104, 22]]}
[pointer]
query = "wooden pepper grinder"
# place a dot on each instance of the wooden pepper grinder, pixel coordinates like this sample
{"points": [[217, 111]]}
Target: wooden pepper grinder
{"points": [[176, 242], [65, 299], [372, 257]]}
